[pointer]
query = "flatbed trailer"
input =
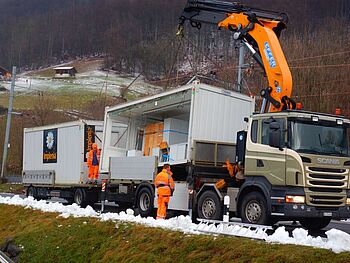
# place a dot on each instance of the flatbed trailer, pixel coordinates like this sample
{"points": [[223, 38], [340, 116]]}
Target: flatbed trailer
{"points": [[198, 123], [54, 160]]}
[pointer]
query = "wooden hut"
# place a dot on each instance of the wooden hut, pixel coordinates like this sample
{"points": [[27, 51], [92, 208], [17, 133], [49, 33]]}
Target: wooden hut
{"points": [[65, 72], [4, 74]]}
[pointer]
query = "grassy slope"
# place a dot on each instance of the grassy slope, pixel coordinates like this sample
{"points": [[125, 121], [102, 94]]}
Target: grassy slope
{"points": [[63, 99], [67, 96], [48, 238], [80, 65], [11, 188]]}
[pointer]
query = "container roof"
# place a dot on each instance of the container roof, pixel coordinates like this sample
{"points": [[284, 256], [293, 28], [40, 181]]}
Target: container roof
{"points": [[175, 102], [65, 124], [136, 107]]}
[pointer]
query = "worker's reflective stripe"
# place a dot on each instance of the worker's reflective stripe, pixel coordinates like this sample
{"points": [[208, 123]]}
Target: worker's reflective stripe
{"points": [[171, 184], [160, 183]]}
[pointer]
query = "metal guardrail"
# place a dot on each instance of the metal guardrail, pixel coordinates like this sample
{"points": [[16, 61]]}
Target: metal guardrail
{"points": [[13, 179], [244, 225], [4, 258], [253, 226]]}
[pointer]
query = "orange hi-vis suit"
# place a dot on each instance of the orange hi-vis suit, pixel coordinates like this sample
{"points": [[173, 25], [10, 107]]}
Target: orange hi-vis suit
{"points": [[165, 186], [93, 161]]}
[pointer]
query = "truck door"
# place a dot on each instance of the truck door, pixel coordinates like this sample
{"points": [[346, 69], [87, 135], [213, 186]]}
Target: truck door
{"points": [[271, 162]]}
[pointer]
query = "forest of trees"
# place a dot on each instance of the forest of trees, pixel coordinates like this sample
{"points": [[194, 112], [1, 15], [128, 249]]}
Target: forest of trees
{"points": [[138, 36]]}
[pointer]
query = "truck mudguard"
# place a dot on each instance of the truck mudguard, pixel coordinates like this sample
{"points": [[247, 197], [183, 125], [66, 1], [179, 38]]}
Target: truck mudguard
{"points": [[255, 183]]}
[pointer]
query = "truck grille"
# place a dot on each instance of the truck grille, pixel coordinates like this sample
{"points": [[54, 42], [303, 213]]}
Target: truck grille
{"points": [[326, 200], [326, 186]]}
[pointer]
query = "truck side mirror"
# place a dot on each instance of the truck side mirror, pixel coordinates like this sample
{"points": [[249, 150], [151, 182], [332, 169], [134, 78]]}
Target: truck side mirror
{"points": [[275, 135]]}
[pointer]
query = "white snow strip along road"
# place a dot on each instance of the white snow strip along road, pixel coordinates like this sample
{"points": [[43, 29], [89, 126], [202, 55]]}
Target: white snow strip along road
{"points": [[337, 241]]}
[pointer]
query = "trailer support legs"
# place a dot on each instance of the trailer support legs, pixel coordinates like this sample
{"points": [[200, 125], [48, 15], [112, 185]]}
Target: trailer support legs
{"points": [[103, 195], [226, 216]]}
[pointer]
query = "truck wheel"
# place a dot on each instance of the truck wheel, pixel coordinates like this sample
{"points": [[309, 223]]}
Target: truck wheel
{"points": [[254, 209], [80, 197], [145, 201], [314, 223], [209, 206], [31, 191]]}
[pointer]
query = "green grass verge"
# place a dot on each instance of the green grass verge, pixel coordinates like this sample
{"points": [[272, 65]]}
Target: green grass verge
{"points": [[48, 238], [11, 188], [63, 99]]}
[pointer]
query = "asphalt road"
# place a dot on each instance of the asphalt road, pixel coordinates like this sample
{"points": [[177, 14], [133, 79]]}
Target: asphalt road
{"points": [[114, 208]]}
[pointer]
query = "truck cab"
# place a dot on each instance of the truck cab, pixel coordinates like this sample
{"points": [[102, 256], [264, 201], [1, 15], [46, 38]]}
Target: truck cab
{"points": [[297, 165]]}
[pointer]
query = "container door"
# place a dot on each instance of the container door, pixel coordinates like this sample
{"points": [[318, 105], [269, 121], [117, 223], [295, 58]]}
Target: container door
{"points": [[153, 137]]}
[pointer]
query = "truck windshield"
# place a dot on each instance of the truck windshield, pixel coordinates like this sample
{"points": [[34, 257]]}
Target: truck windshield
{"points": [[322, 138]]}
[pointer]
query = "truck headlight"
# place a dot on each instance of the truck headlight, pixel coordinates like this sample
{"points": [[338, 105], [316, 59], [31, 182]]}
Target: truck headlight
{"points": [[348, 201], [298, 199]]}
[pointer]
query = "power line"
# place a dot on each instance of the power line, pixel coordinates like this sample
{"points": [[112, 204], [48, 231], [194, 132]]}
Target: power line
{"points": [[323, 94], [211, 60], [322, 66], [320, 83], [320, 56]]}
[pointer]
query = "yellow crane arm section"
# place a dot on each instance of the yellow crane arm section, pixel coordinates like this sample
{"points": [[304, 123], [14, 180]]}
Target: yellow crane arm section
{"points": [[259, 30], [275, 64]]}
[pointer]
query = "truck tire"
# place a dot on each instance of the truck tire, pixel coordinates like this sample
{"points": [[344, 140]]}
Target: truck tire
{"points": [[80, 197], [254, 209], [31, 191], [145, 202], [209, 206], [314, 223]]}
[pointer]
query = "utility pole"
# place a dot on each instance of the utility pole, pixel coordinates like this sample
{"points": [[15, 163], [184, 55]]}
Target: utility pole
{"points": [[8, 125], [241, 66]]}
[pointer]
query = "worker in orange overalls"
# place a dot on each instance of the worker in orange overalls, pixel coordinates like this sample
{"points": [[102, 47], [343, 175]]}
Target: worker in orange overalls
{"points": [[93, 161], [165, 185]]}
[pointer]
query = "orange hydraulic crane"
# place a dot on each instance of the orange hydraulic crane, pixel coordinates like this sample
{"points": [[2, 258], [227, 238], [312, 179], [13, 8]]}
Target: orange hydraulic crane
{"points": [[259, 30]]}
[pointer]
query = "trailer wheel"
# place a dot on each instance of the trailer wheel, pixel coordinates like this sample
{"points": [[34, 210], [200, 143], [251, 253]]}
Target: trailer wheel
{"points": [[209, 206], [254, 209], [31, 191], [314, 223], [145, 201], [80, 197]]}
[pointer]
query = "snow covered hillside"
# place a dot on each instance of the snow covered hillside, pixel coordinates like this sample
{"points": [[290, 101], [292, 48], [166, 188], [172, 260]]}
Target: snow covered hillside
{"points": [[88, 78]]}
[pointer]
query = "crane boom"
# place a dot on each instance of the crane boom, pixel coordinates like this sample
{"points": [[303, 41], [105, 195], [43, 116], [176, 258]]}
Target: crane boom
{"points": [[259, 30]]}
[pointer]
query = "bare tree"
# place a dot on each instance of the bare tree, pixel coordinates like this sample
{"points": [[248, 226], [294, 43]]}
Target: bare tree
{"points": [[43, 106]]}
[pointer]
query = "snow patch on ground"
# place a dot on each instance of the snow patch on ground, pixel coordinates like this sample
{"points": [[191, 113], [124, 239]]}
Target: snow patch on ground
{"points": [[94, 80], [337, 241]]}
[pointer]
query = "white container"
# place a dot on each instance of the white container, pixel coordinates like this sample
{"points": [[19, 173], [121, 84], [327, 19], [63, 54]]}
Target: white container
{"points": [[193, 113], [56, 154]]}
